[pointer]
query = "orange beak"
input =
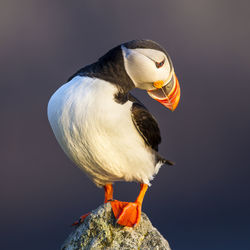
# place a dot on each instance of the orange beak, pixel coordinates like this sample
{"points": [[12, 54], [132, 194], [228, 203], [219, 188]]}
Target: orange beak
{"points": [[169, 94]]}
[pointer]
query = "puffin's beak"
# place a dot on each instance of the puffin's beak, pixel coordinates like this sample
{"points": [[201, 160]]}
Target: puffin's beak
{"points": [[168, 94]]}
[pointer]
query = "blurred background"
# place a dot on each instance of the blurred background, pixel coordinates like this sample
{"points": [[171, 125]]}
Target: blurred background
{"points": [[202, 202]]}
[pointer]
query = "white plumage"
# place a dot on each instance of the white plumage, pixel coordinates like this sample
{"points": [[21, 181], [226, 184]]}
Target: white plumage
{"points": [[98, 133]]}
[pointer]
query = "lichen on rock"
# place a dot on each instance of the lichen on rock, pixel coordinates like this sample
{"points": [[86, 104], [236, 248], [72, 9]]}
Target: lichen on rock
{"points": [[100, 231]]}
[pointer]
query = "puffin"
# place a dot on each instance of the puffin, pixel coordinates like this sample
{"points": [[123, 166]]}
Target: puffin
{"points": [[106, 131]]}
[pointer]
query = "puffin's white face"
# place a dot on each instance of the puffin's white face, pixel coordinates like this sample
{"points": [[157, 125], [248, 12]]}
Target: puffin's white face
{"points": [[153, 71], [146, 66]]}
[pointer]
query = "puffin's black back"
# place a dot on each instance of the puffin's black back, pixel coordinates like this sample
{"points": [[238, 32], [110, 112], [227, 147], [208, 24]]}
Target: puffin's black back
{"points": [[110, 68]]}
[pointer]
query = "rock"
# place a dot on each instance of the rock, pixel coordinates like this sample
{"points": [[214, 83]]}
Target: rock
{"points": [[99, 231]]}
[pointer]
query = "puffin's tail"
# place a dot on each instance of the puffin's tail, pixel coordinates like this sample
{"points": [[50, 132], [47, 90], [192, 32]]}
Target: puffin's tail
{"points": [[161, 161], [159, 158], [168, 162]]}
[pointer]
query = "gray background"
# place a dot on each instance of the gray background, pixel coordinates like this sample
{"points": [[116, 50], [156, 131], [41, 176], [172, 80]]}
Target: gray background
{"points": [[202, 202]]}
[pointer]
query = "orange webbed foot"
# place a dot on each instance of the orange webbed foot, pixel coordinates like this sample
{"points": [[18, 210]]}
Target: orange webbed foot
{"points": [[127, 213], [81, 220]]}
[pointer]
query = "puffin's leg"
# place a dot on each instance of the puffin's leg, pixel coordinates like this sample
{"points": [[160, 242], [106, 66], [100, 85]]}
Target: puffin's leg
{"points": [[108, 192], [108, 196], [129, 213]]}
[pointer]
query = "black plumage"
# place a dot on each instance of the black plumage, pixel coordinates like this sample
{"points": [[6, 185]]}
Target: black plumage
{"points": [[147, 127], [110, 68]]}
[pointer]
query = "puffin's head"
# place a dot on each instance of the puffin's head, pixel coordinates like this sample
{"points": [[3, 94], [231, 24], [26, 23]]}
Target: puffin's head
{"points": [[150, 68]]}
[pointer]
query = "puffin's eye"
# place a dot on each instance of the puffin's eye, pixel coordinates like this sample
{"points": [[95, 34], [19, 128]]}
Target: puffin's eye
{"points": [[160, 64]]}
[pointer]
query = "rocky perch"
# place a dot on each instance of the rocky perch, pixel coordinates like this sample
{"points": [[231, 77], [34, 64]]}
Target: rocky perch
{"points": [[99, 231]]}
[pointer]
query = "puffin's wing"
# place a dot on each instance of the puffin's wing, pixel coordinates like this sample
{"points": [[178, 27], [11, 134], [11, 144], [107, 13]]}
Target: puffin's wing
{"points": [[145, 123], [147, 126]]}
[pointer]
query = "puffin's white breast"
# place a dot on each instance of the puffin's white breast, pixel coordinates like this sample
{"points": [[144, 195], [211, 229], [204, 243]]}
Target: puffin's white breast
{"points": [[98, 134]]}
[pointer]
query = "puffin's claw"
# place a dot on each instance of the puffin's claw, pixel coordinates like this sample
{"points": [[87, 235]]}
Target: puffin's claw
{"points": [[81, 220]]}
